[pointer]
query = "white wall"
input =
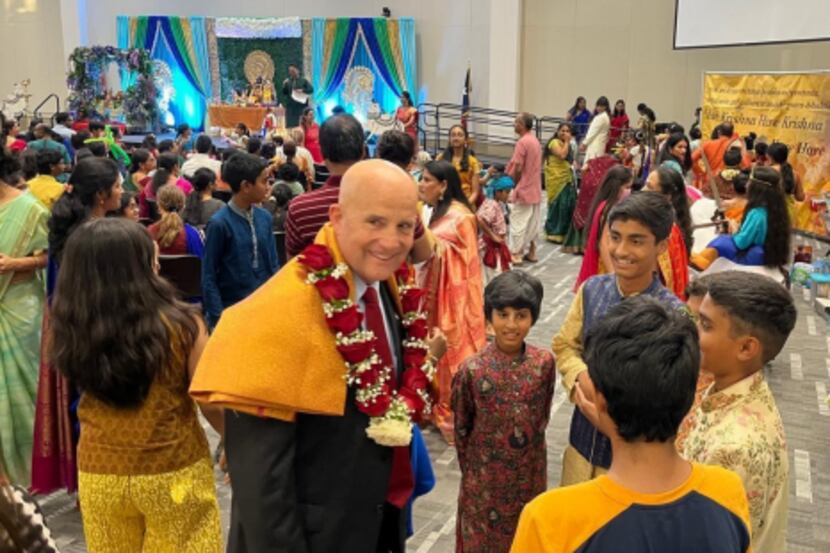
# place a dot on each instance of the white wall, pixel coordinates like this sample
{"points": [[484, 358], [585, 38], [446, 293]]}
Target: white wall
{"points": [[450, 33], [623, 49], [32, 48]]}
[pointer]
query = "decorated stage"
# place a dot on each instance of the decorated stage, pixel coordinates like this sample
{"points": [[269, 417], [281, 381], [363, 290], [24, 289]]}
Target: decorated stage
{"points": [[211, 72]]}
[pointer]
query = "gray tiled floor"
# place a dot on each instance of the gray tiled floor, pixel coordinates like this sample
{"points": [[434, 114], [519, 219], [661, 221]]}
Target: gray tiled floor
{"points": [[798, 377]]}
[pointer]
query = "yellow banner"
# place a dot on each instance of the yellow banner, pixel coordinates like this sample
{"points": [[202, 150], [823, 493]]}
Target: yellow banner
{"points": [[793, 108]]}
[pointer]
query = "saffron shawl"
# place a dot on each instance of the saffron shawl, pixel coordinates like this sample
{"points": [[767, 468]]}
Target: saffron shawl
{"points": [[272, 354]]}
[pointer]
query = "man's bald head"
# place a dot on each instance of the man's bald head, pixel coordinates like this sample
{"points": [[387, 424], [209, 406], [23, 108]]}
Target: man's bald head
{"points": [[364, 179], [374, 218]]}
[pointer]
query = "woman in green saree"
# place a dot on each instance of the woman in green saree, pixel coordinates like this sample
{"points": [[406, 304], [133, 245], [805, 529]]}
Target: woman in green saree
{"points": [[559, 184], [23, 244]]}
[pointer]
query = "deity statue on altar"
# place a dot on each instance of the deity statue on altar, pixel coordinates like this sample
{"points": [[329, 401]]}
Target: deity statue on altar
{"points": [[259, 71], [262, 92]]}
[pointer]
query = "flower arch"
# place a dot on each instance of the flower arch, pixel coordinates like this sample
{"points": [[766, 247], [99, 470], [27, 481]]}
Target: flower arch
{"points": [[89, 91]]}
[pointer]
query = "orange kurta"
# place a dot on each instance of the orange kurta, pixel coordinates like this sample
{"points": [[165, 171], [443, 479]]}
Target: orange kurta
{"points": [[456, 300]]}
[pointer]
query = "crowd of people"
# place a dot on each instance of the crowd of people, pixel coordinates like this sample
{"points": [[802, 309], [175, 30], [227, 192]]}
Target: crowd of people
{"points": [[405, 272]]}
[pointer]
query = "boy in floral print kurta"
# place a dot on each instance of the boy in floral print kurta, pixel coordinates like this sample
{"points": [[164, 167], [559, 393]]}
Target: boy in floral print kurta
{"points": [[744, 321], [501, 399]]}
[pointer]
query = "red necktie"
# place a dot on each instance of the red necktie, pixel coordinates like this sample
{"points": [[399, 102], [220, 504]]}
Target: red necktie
{"points": [[401, 480]]}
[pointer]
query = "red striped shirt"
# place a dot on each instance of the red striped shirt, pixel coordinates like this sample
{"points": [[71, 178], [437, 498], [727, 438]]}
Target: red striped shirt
{"points": [[307, 213]]}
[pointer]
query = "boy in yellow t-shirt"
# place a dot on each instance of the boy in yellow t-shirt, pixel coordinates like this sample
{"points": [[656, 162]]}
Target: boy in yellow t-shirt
{"points": [[45, 186], [643, 364]]}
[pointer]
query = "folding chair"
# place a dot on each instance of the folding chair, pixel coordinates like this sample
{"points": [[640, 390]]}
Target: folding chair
{"points": [[184, 272]]}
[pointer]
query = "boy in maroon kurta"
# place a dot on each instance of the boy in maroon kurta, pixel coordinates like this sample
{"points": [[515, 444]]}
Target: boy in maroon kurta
{"points": [[501, 398]]}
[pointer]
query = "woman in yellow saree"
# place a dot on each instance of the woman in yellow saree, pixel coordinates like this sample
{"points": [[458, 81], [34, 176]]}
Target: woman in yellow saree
{"points": [[23, 244], [453, 278]]}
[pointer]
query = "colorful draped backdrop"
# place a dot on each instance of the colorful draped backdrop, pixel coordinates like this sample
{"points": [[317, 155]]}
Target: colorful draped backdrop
{"points": [[385, 46], [193, 49], [181, 44]]}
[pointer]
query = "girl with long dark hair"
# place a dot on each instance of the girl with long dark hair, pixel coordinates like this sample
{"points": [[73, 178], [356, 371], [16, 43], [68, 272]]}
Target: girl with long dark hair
{"points": [[143, 163], [9, 135], [468, 167], [615, 186], [453, 276], [778, 153], [763, 235], [95, 189], [142, 444], [597, 137], [676, 154], [619, 125], [200, 204], [579, 116], [673, 263], [311, 131], [561, 192], [128, 207], [407, 114]]}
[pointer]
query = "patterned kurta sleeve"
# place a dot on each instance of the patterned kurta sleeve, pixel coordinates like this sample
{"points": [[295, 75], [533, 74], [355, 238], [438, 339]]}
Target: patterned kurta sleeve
{"points": [[464, 411], [754, 465], [567, 345]]}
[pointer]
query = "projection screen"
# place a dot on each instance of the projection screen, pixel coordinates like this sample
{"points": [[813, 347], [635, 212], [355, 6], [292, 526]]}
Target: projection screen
{"points": [[714, 23]]}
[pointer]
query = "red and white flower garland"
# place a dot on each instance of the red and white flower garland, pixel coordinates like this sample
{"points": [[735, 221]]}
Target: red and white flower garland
{"points": [[391, 411]]}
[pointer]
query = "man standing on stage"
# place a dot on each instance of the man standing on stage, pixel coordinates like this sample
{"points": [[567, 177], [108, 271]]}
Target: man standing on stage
{"points": [[295, 91]]}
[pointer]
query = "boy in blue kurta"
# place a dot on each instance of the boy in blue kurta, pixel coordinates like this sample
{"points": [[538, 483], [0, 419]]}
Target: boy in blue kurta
{"points": [[240, 250], [639, 229]]}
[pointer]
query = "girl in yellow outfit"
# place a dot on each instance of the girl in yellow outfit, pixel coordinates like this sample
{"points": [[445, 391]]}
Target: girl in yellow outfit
{"points": [[459, 154], [120, 335]]}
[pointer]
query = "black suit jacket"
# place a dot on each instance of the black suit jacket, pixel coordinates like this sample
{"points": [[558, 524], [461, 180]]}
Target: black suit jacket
{"points": [[317, 485]]}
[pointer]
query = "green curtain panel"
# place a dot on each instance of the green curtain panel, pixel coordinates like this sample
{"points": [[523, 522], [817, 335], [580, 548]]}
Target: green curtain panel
{"points": [[233, 51]]}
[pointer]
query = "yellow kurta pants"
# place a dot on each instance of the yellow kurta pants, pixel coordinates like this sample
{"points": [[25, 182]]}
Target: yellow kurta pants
{"points": [[173, 512]]}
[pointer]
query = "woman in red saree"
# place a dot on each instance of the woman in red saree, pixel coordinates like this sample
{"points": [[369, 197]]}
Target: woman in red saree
{"points": [[96, 190], [453, 279], [592, 177], [407, 114], [312, 135], [674, 262], [619, 125], [615, 186]]}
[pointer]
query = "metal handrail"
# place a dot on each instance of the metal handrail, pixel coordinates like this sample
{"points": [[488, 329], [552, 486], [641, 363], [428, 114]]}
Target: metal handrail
{"points": [[36, 111], [434, 118]]}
